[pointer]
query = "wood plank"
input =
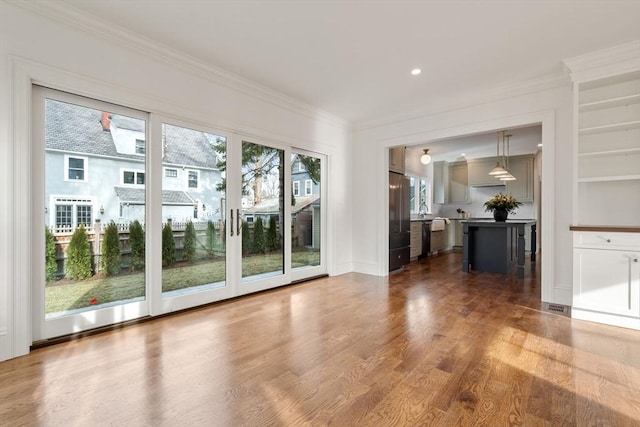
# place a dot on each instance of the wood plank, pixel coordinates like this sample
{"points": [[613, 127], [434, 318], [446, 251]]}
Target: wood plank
{"points": [[429, 345]]}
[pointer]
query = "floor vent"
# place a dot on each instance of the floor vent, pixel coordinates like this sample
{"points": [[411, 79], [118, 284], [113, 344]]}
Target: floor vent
{"points": [[563, 310]]}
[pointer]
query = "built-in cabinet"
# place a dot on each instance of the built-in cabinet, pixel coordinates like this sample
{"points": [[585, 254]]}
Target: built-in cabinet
{"points": [[606, 238], [521, 167], [441, 182], [479, 172], [396, 159], [416, 239], [606, 277], [458, 182]]}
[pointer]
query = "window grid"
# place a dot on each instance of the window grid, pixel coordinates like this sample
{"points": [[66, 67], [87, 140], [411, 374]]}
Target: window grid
{"points": [[76, 169], [83, 215], [63, 216], [193, 179], [308, 187], [296, 188]]}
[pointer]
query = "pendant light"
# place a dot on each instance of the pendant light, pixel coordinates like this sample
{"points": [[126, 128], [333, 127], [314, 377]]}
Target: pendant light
{"points": [[498, 170], [507, 176], [425, 159]]}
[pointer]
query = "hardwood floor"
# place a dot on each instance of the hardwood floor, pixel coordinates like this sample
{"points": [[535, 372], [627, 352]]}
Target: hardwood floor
{"points": [[427, 346]]}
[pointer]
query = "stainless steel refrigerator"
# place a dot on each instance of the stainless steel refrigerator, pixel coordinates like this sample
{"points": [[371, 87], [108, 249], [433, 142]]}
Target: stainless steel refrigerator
{"points": [[399, 221]]}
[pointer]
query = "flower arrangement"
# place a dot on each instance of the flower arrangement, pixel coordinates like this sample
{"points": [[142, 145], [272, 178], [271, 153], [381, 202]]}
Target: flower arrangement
{"points": [[502, 202]]}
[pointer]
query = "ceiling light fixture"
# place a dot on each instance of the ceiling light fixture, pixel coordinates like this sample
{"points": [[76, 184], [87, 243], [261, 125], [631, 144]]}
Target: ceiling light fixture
{"points": [[498, 170], [507, 176], [416, 71], [425, 159]]}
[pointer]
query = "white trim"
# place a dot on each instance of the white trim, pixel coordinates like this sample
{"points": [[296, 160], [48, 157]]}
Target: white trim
{"points": [[603, 63], [164, 172], [122, 37], [308, 185], [296, 188], [135, 177], [188, 178]]}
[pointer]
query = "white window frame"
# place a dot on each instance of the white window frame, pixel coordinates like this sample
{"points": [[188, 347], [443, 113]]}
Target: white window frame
{"points": [[170, 169], [74, 201], [296, 188], [197, 187], [308, 187], [144, 147], [66, 168], [135, 177]]}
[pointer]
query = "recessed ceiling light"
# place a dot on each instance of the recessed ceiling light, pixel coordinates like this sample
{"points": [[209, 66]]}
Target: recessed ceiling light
{"points": [[463, 154], [540, 145], [416, 71]]}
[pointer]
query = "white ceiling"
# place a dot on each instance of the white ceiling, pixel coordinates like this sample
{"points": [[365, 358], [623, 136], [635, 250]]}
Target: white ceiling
{"points": [[352, 58]]}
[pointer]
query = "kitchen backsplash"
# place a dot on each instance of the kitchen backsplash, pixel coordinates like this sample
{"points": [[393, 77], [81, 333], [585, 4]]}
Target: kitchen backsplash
{"points": [[478, 196]]}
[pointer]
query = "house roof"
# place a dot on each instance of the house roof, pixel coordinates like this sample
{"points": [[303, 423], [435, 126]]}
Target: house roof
{"points": [[74, 128], [272, 206], [169, 197]]}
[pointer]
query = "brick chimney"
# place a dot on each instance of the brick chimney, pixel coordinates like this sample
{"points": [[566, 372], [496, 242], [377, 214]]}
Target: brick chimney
{"points": [[105, 121]]}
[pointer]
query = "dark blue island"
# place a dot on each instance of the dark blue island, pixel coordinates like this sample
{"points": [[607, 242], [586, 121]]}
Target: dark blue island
{"points": [[496, 247]]}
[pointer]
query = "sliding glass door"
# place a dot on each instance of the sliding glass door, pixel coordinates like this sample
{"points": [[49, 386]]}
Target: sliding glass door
{"points": [[146, 214]]}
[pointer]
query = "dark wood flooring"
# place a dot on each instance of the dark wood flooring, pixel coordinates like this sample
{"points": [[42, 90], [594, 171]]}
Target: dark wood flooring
{"points": [[426, 346]]}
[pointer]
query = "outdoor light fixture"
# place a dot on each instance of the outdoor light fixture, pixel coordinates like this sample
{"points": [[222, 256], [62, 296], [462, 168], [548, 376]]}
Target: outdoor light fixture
{"points": [[101, 210], [425, 159]]}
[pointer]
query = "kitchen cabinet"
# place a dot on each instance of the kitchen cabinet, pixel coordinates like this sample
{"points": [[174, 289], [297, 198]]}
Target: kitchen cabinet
{"points": [[521, 167], [458, 233], [606, 277], [479, 172], [396, 159], [440, 182], [416, 239], [458, 183]]}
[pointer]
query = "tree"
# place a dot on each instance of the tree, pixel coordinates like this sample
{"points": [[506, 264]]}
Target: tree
{"points": [[111, 254], [211, 238], [168, 246], [136, 240], [259, 244], [51, 263], [246, 239], [189, 243], [78, 265], [273, 240]]}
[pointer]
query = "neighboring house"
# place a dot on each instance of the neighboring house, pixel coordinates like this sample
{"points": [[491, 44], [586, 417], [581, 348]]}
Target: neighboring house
{"points": [[95, 169]]}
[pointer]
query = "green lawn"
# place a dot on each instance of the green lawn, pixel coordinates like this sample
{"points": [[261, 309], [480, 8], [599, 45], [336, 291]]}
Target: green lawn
{"points": [[66, 295]]}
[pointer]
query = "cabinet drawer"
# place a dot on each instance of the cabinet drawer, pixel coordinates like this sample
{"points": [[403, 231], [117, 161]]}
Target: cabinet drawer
{"points": [[606, 240]]}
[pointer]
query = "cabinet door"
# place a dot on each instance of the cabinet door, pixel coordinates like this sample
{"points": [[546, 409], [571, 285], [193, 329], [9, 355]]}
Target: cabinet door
{"points": [[522, 187], [458, 183], [396, 159], [479, 172], [416, 239], [607, 281], [440, 182]]}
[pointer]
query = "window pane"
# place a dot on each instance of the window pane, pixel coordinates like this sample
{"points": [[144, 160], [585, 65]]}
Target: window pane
{"points": [[90, 279], [263, 199], [193, 238], [140, 178], [305, 212], [140, 147], [128, 177]]}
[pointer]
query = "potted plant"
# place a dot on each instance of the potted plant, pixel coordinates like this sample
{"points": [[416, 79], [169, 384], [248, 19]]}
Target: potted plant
{"points": [[501, 205]]}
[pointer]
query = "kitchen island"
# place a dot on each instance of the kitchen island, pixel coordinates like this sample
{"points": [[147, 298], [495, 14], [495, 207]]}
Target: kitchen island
{"points": [[496, 247]]}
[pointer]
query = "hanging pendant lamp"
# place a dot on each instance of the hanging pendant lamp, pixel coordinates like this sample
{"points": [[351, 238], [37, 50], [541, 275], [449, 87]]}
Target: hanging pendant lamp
{"points": [[498, 170], [507, 176]]}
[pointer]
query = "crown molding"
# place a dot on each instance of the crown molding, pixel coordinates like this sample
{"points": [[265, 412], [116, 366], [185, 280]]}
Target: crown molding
{"points": [[605, 62], [547, 82], [74, 18]]}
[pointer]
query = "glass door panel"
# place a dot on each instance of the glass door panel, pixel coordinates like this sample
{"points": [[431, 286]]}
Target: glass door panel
{"points": [[94, 159], [193, 211], [306, 224], [263, 207]]}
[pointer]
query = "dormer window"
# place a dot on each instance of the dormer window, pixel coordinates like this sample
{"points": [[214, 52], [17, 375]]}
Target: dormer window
{"points": [[140, 146]]}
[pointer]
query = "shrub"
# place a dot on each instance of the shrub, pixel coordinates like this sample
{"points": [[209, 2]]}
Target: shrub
{"points": [[246, 239], [136, 240], [273, 241], [211, 238], [259, 244], [168, 246], [78, 265], [111, 254], [51, 264], [189, 243]]}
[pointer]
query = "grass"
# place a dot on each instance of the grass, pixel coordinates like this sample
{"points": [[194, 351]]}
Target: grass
{"points": [[67, 295]]}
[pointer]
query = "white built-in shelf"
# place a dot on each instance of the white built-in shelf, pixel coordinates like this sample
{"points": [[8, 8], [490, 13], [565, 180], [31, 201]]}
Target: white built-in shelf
{"points": [[606, 153], [610, 127], [609, 178], [610, 103]]}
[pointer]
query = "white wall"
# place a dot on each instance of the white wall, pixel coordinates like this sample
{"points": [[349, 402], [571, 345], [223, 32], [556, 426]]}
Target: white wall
{"points": [[97, 63], [551, 106]]}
